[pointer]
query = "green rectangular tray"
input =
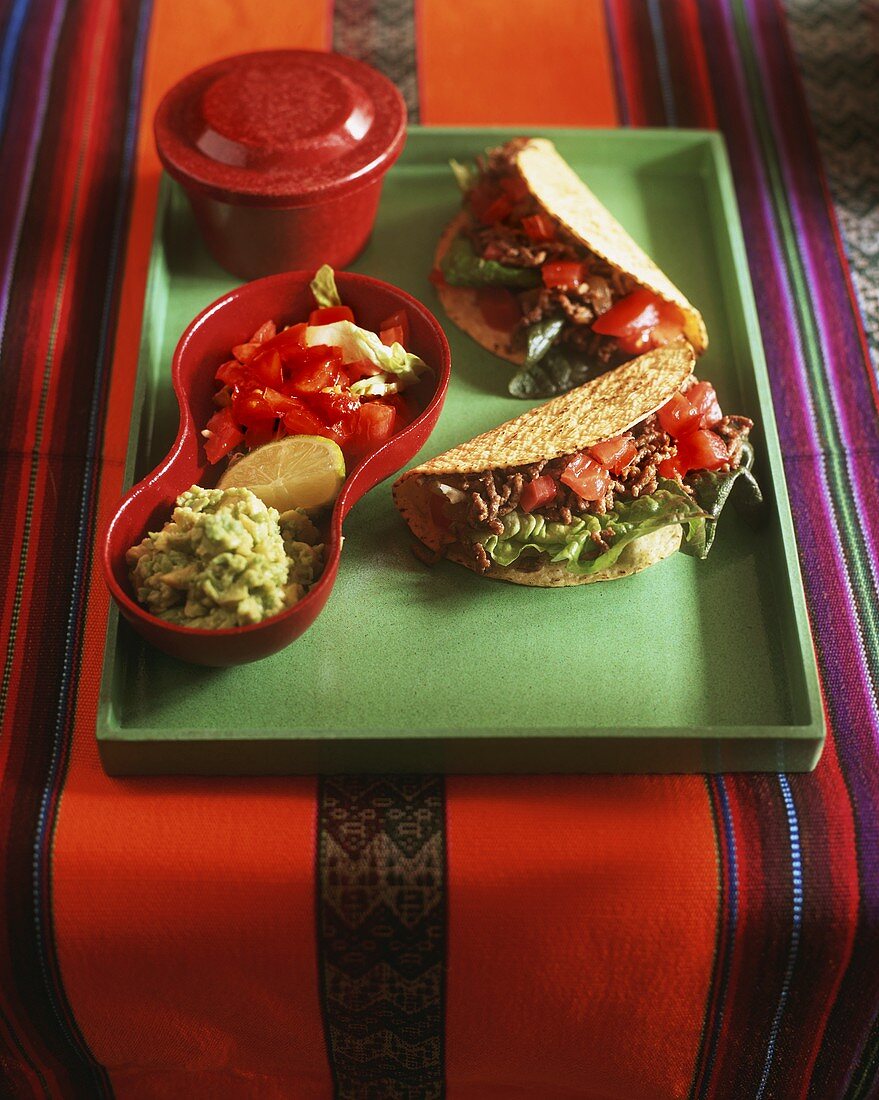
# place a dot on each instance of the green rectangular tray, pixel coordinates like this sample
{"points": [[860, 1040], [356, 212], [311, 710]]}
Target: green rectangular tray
{"points": [[688, 666]]}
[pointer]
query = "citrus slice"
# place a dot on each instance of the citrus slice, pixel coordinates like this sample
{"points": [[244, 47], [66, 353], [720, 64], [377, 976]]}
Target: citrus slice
{"points": [[298, 471]]}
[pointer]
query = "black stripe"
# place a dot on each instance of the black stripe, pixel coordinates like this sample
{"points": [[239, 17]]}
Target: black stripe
{"points": [[381, 932], [381, 34]]}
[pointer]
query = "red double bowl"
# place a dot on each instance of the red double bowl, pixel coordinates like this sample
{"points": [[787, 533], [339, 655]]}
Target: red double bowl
{"points": [[204, 345]]}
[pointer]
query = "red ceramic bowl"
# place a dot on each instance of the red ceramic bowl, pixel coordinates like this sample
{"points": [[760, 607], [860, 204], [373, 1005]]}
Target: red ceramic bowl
{"points": [[203, 346], [282, 154]]}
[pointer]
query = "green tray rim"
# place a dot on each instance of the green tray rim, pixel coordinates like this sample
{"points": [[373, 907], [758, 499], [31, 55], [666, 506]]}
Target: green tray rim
{"points": [[805, 739]]}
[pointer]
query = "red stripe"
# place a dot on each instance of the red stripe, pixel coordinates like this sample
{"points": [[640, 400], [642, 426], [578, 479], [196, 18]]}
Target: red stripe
{"points": [[762, 936], [689, 65], [36, 303], [637, 62], [831, 822]]}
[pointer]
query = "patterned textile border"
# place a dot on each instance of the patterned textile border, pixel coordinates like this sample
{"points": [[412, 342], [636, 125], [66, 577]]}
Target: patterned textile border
{"points": [[381, 933], [382, 34], [381, 843], [792, 1008], [835, 43]]}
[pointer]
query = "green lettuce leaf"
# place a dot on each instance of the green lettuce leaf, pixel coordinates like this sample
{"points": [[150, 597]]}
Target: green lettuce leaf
{"points": [[572, 544], [549, 369], [465, 174], [462, 267], [399, 368], [323, 287], [712, 490]]}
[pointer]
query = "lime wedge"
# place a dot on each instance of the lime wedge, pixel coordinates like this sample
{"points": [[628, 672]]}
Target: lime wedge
{"points": [[298, 471]]}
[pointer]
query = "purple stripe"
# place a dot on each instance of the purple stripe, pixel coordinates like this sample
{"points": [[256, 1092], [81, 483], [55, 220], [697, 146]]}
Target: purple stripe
{"points": [[849, 388], [9, 248], [783, 346], [845, 681], [830, 598], [619, 85]]}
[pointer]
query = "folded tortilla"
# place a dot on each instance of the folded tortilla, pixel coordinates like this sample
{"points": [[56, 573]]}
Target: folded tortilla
{"points": [[561, 193], [601, 409]]}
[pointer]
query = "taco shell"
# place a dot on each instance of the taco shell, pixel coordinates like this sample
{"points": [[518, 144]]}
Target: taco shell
{"points": [[565, 197], [601, 409]]}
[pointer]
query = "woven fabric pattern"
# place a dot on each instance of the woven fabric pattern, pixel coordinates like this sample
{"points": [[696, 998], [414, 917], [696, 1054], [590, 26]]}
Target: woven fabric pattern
{"points": [[479, 938]]}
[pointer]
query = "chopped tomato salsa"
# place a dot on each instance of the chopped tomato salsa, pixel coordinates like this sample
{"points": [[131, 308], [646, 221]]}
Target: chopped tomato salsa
{"points": [[276, 384]]}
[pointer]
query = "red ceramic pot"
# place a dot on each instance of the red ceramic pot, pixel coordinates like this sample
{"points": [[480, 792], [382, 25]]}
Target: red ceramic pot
{"points": [[203, 346], [282, 154]]}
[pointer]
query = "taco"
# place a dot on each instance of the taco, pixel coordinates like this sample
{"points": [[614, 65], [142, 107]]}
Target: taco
{"points": [[539, 272], [596, 484]]}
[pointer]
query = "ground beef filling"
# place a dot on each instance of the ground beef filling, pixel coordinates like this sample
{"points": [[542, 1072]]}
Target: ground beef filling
{"points": [[508, 244], [493, 494]]}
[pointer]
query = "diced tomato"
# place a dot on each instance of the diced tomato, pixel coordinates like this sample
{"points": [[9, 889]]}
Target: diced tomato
{"points": [[266, 368], [279, 403], [258, 434], [341, 431], [538, 492], [669, 468], [562, 273], [702, 397], [588, 479], [400, 320], [481, 197], [328, 315], [393, 335], [666, 331], [250, 408], [499, 307], [374, 423], [231, 373], [245, 352], [640, 321], [225, 434], [362, 368], [616, 453], [497, 211], [404, 412], [264, 332], [302, 421], [332, 406], [288, 342], [311, 355], [314, 377], [539, 227], [514, 186], [701, 450], [223, 397], [678, 417]]}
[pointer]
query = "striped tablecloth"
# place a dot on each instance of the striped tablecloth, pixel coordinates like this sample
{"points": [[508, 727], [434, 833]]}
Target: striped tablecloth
{"points": [[479, 938]]}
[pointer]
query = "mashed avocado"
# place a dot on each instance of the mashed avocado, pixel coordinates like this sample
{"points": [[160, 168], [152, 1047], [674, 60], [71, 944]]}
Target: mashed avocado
{"points": [[225, 559]]}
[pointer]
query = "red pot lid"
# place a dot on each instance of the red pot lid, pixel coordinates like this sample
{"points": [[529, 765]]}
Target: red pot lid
{"points": [[280, 127]]}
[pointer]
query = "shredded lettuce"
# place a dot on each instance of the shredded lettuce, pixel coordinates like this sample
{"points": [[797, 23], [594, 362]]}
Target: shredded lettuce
{"points": [[465, 174], [572, 543], [323, 287], [399, 368], [462, 267]]}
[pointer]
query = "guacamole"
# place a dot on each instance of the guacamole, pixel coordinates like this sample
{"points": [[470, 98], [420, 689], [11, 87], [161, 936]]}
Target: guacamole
{"points": [[225, 559]]}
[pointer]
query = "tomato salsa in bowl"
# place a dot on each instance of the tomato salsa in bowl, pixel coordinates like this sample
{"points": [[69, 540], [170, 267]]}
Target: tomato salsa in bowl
{"points": [[376, 444]]}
